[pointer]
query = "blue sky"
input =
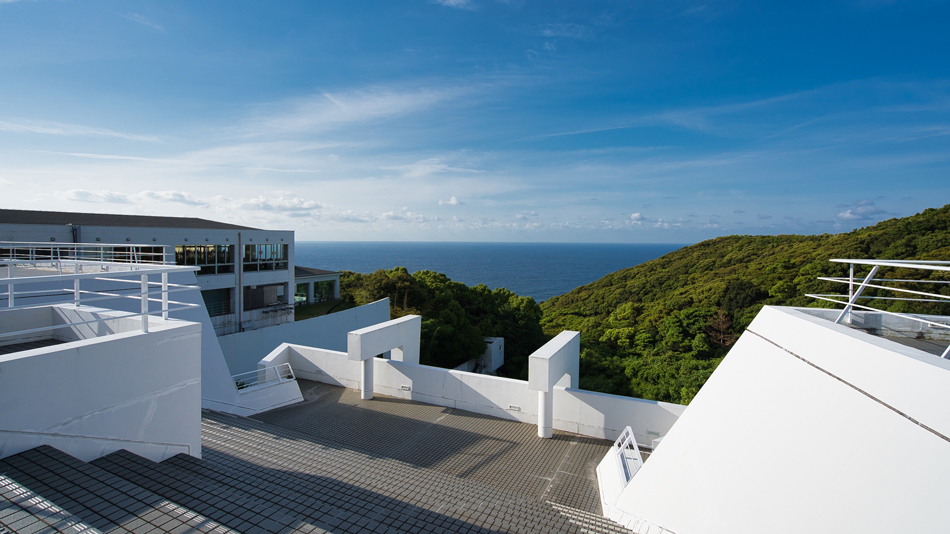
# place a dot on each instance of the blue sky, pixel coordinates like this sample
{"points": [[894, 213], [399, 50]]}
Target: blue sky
{"points": [[480, 120]]}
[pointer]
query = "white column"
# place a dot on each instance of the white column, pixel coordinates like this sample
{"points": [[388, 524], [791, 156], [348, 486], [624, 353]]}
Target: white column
{"points": [[366, 379], [545, 414]]}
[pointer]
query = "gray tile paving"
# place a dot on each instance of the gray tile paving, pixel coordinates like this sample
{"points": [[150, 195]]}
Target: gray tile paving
{"points": [[333, 464], [504, 454]]}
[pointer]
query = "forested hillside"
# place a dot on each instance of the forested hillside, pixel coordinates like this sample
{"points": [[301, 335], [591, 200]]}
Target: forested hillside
{"points": [[658, 330]]}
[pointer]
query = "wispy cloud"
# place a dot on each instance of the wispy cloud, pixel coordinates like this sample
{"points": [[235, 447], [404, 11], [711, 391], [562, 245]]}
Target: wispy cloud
{"points": [[178, 197], [426, 167], [135, 17], [457, 4], [98, 197], [279, 204], [325, 111], [59, 128], [560, 29]]}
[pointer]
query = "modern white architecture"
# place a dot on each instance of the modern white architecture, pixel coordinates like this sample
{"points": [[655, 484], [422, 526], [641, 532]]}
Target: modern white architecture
{"points": [[107, 365], [246, 274]]}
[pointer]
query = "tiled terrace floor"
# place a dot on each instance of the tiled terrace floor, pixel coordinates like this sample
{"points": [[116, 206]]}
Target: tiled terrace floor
{"points": [[505, 455], [332, 464]]}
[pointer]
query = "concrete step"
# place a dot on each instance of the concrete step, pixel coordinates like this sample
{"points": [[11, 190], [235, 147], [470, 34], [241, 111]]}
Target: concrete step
{"points": [[98, 498], [22, 510], [236, 500]]}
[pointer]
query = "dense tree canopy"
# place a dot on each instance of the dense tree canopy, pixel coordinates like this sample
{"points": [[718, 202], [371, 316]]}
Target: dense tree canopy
{"points": [[658, 330], [456, 317]]}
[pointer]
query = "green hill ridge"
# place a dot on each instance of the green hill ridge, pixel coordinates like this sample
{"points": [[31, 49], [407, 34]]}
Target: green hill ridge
{"points": [[659, 329]]}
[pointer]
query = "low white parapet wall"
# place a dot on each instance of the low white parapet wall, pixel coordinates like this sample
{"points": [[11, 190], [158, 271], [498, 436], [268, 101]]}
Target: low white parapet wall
{"points": [[242, 351], [104, 389], [583, 412]]}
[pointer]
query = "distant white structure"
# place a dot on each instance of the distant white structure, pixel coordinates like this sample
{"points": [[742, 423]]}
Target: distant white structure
{"points": [[315, 285]]}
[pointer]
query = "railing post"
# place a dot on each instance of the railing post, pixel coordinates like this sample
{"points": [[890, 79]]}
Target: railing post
{"points": [[857, 294], [165, 296], [76, 286], [850, 289], [10, 272], [145, 303]]}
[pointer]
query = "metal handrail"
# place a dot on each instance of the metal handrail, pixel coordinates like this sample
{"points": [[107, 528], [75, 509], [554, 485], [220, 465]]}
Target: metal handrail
{"points": [[76, 268], [856, 290], [266, 377], [629, 458]]}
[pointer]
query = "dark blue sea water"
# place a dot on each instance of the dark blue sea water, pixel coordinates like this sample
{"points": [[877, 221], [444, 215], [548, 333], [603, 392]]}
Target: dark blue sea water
{"points": [[539, 270]]}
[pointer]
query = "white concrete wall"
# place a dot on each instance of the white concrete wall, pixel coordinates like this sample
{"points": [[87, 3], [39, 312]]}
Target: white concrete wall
{"points": [[244, 350], [587, 413], [601, 415], [805, 426], [401, 336], [556, 363], [128, 390]]}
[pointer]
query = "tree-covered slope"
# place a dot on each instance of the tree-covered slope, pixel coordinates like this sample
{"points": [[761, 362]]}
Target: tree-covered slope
{"points": [[659, 329]]}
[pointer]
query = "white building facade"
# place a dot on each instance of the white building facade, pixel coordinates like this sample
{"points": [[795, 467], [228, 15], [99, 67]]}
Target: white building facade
{"points": [[246, 274]]}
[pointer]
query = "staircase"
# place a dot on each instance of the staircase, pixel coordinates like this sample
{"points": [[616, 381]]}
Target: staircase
{"points": [[255, 478]]}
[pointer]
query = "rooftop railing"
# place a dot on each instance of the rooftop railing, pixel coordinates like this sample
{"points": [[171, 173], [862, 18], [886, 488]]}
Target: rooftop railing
{"points": [[857, 288], [33, 264], [628, 455]]}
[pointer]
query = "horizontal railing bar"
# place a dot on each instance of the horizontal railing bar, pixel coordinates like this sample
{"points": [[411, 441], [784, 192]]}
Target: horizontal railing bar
{"points": [[105, 296], [928, 266], [113, 318], [897, 290], [848, 280], [903, 299], [905, 315]]}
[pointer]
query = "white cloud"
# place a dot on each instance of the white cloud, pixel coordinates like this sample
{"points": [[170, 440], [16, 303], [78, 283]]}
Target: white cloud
{"points": [[101, 196], [135, 17], [426, 167], [575, 31], [453, 201], [172, 196], [407, 216], [326, 111], [638, 219], [60, 128], [862, 210], [457, 4], [279, 204]]}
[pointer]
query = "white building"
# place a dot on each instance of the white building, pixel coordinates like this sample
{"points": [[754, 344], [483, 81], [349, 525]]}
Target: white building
{"points": [[246, 274]]}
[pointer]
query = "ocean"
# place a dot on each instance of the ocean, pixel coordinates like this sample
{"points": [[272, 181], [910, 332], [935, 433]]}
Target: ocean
{"points": [[539, 270]]}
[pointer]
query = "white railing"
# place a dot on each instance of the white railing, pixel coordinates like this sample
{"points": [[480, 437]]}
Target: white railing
{"points": [[28, 264], [102, 252], [856, 290], [628, 455], [266, 377]]}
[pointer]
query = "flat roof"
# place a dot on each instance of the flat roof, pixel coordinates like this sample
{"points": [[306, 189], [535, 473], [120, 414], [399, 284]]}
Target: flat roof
{"points": [[108, 219], [310, 271]]}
